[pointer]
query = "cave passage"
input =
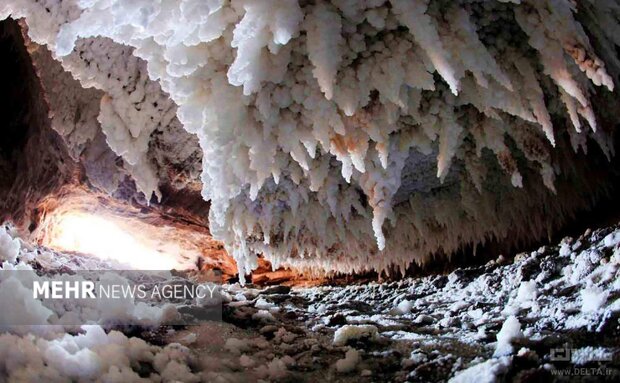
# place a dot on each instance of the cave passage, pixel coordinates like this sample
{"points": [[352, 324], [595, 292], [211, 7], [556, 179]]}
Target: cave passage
{"points": [[277, 191]]}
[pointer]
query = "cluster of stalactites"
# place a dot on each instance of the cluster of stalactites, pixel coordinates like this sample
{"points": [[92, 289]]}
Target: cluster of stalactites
{"points": [[303, 107]]}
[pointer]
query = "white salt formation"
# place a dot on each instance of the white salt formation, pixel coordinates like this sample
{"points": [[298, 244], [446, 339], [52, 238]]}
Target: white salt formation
{"points": [[349, 332], [318, 119], [511, 329], [9, 246]]}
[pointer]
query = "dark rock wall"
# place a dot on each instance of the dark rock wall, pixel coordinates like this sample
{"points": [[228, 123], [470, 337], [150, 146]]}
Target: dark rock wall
{"points": [[34, 160]]}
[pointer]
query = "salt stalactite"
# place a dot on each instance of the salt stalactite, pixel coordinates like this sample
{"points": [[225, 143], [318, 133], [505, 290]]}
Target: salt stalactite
{"points": [[309, 114]]}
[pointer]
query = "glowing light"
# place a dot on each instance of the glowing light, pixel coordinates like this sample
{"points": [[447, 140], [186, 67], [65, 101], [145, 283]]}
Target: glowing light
{"points": [[106, 239]]}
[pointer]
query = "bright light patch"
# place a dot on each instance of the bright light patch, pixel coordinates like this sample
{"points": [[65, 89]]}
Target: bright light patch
{"points": [[106, 239]]}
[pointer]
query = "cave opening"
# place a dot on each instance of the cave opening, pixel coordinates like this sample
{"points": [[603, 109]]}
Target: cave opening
{"points": [[105, 238]]}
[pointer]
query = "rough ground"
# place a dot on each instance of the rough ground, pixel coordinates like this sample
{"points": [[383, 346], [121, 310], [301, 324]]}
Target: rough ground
{"points": [[537, 317], [562, 301]]}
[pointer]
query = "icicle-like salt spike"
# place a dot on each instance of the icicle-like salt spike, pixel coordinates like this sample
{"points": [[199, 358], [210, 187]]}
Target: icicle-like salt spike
{"points": [[413, 15], [318, 121], [324, 40], [449, 137]]}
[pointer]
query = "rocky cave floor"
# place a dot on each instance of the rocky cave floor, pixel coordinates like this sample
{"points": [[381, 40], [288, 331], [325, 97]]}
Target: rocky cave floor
{"points": [[513, 321], [552, 314]]}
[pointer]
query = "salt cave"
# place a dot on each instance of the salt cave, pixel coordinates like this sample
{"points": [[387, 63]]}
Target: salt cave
{"points": [[380, 190]]}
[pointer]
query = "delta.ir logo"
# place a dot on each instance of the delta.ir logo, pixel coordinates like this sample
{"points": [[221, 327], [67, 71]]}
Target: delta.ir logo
{"points": [[564, 354]]}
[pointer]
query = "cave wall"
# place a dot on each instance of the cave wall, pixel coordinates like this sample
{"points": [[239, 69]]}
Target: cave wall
{"points": [[35, 161], [55, 160]]}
